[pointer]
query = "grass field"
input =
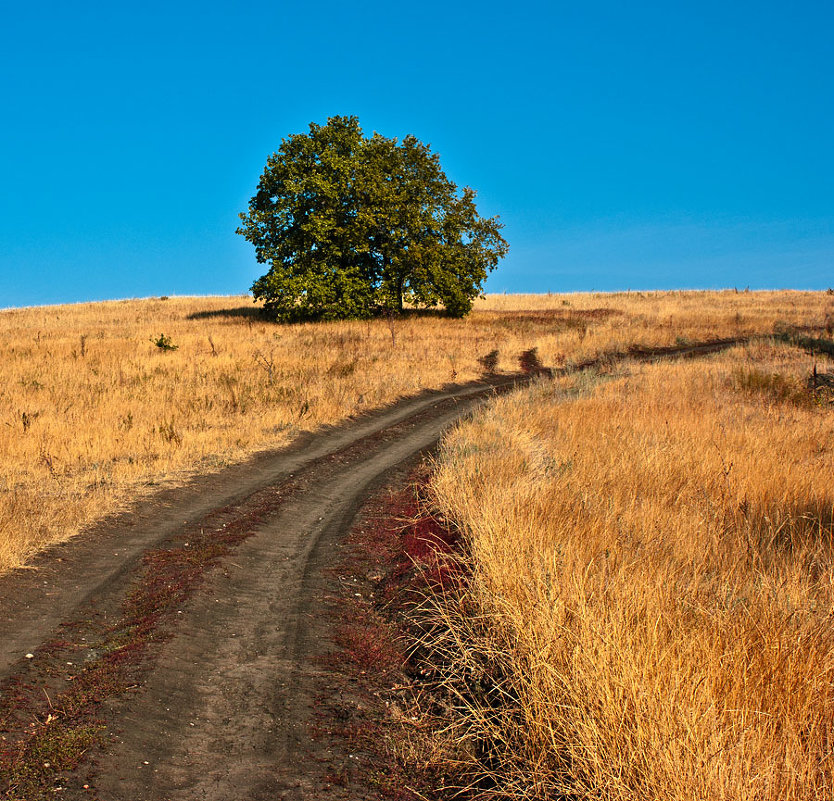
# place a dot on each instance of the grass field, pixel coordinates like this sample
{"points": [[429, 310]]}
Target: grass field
{"points": [[95, 413], [650, 610]]}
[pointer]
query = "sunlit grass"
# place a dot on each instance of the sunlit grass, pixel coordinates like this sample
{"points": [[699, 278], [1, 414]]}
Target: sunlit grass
{"points": [[94, 413], [650, 612]]}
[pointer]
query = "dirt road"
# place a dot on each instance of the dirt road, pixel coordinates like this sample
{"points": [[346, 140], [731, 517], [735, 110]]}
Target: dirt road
{"points": [[191, 627], [223, 706]]}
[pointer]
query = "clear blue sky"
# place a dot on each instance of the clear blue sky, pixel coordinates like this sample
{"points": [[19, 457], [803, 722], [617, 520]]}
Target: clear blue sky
{"points": [[625, 145]]}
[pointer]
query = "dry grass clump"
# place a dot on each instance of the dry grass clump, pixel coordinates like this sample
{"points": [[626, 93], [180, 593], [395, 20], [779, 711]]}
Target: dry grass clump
{"points": [[102, 402], [650, 612]]}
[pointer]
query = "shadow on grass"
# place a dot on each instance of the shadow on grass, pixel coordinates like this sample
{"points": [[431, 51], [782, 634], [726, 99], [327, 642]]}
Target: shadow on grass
{"points": [[419, 313], [258, 313], [237, 313]]}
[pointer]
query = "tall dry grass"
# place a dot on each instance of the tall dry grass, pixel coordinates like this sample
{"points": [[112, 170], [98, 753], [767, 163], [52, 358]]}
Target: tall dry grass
{"points": [[94, 414], [650, 614]]}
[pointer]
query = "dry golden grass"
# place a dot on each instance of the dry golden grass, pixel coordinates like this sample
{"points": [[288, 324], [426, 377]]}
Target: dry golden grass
{"points": [[650, 615], [94, 414]]}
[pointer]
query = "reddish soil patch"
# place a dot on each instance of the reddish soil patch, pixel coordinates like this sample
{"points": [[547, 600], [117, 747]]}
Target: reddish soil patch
{"points": [[395, 555]]}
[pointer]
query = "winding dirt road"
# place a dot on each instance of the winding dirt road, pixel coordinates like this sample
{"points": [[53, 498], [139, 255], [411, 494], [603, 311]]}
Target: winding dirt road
{"points": [[222, 666], [225, 703]]}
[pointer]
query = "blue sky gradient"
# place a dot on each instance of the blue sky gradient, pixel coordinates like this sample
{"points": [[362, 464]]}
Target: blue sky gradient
{"points": [[625, 146]]}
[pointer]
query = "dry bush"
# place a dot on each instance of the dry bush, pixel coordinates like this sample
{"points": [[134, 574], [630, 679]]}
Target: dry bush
{"points": [[650, 610], [102, 402]]}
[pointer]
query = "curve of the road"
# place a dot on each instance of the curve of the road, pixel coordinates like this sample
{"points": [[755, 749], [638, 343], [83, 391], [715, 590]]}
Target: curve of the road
{"points": [[223, 709]]}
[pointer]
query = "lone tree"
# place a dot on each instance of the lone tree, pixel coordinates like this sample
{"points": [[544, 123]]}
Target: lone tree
{"points": [[353, 226]]}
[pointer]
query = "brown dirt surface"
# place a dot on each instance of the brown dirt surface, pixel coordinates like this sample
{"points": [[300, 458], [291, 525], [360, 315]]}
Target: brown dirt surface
{"points": [[178, 645]]}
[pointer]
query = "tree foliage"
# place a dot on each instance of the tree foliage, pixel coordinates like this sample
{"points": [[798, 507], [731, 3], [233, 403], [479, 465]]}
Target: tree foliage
{"points": [[353, 225]]}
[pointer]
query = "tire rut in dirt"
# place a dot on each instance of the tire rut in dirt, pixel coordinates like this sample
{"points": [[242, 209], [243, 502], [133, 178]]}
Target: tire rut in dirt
{"points": [[96, 566], [225, 712]]}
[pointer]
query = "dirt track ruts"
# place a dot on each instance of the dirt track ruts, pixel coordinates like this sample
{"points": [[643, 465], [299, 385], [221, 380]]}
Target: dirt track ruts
{"points": [[34, 602], [223, 711]]}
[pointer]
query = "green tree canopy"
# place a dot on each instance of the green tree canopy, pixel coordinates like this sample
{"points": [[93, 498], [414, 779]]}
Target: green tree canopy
{"points": [[353, 225]]}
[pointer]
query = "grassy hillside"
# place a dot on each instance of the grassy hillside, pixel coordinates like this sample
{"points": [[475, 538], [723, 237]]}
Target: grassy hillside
{"points": [[652, 557], [95, 413]]}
